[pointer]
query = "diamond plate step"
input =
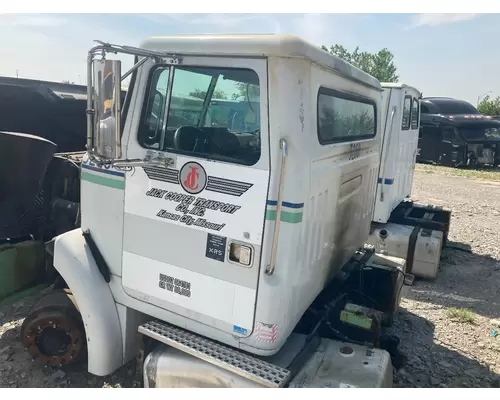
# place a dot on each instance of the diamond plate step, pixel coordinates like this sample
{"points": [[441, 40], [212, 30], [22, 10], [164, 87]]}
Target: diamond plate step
{"points": [[230, 359]]}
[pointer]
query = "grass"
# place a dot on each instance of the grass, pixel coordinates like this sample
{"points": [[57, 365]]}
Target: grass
{"points": [[486, 174], [462, 315]]}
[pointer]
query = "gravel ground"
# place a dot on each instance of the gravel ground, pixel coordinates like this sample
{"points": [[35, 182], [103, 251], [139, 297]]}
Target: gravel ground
{"points": [[18, 370], [443, 350]]}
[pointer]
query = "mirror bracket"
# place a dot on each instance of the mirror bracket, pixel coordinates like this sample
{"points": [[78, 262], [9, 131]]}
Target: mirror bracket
{"points": [[157, 160], [103, 116]]}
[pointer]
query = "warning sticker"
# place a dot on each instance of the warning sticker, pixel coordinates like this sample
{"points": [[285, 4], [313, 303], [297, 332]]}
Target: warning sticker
{"points": [[266, 332], [216, 247]]}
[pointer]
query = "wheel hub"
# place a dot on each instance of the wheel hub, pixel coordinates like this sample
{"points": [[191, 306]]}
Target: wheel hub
{"points": [[53, 342], [53, 338]]}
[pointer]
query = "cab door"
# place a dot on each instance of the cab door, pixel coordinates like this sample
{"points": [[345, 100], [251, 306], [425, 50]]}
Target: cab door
{"points": [[193, 231]]}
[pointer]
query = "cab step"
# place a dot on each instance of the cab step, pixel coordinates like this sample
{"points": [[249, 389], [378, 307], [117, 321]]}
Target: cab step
{"points": [[228, 358]]}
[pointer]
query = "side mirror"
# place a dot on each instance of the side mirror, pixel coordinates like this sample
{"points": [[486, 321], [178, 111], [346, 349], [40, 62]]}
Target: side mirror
{"points": [[107, 106]]}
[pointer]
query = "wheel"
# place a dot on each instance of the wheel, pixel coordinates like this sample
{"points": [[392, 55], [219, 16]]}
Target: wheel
{"points": [[53, 332]]}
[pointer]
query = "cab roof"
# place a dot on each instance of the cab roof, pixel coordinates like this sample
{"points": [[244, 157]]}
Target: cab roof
{"points": [[398, 85], [260, 45], [448, 106]]}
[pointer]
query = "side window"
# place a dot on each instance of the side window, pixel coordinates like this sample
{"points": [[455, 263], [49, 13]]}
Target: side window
{"points": [[154, 113], [424, 109], [492, 132], [415, 115], [344, 118], [213, 113], [234, 105], [405, 124]]}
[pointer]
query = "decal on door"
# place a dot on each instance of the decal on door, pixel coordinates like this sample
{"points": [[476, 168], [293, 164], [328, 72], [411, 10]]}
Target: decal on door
{"points": [[178, 289], [239, 330], [190, 210], [193, 179], [175, 285], [195, 196]]}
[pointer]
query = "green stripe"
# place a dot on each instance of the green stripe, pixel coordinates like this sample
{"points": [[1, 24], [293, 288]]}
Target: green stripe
{"points": [[286, 216], [101, 180]]}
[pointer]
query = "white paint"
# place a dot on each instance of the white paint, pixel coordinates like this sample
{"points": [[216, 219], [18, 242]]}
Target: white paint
{"points": [[247, 45], [102, 214], [212, 297], [399, 151], [234, 307], [73, 260], [336, 216]]}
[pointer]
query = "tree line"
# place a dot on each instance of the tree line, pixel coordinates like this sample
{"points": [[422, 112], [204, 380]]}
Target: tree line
{"points": [[379, 64], [489, 106]]}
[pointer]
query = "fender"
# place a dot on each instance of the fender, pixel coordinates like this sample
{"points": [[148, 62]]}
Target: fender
{"points": [[74, 261]]}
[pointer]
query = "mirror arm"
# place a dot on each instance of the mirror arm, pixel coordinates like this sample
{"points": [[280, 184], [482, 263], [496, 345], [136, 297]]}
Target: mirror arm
{"points": [[135, 51], [93, 113], [90, 111], [150, 159], [136, 66]]}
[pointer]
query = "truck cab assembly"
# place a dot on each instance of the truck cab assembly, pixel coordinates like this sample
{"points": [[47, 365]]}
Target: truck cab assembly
{"points": [[244, 219], [454, 133]]}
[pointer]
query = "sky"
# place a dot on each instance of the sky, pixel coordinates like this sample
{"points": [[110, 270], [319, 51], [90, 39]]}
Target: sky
{"points": [[453, 55]]}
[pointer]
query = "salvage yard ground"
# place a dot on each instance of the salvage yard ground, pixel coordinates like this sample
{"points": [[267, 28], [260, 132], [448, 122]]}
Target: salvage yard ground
{"points": [[447, 327]]}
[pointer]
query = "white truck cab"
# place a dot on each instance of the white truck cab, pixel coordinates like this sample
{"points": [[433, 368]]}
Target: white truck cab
{"points": [[402, 228], [400, 145], [226, 214]]}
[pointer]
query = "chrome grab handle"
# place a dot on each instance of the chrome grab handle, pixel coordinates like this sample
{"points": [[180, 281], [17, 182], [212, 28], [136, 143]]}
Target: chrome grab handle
{"points": [[385, 158], [274, 250]]}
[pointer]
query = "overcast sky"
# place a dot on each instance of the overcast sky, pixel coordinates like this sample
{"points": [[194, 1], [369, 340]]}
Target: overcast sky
{"points": [[454, 55]]}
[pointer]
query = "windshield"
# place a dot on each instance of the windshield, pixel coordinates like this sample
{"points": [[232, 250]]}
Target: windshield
{"points": [[213, 113], [481, 133]]}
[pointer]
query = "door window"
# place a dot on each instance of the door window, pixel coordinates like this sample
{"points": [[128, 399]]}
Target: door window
{"points": [[212, 113]]}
